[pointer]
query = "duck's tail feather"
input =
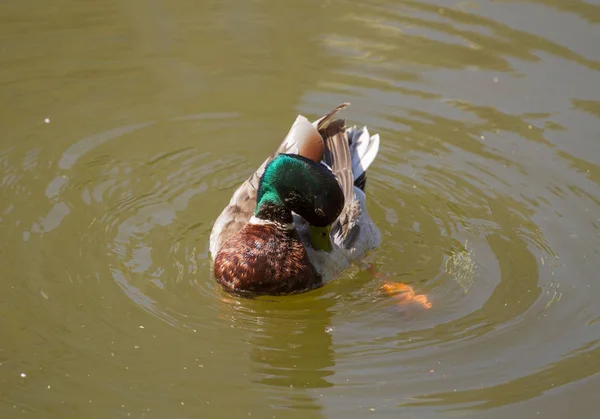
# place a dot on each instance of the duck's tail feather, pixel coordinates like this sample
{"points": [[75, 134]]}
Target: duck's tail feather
{"points": [[364, 149], [323, 122]]}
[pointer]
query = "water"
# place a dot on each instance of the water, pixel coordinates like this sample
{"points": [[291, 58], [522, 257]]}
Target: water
{"points": [[127, 125]]}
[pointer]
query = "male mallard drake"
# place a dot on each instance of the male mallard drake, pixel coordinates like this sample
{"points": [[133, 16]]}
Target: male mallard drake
{"points": [[301, 218]]}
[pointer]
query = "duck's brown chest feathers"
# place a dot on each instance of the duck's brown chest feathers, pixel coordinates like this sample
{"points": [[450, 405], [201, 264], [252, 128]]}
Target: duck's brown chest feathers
{"points": [[263, 259]]}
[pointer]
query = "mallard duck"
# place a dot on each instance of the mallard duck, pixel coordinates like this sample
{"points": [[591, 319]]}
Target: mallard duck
{"points": [[300, 220]]}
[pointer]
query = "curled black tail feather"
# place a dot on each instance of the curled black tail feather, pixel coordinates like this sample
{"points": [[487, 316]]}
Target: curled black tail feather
{"points": [[361, 181]]}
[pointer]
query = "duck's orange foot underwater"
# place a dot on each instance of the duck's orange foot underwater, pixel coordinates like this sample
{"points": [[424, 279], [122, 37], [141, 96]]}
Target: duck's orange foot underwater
{"points": [[405, 295]]}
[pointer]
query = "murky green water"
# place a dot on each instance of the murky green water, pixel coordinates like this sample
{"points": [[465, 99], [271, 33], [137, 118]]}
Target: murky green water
{"points": [[126, 126]]}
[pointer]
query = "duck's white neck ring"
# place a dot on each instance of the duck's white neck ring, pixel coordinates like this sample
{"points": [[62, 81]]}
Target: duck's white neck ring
{"points": [[259, 221]]}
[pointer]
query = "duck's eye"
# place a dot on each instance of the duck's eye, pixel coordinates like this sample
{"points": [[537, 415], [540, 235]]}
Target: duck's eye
{"points": [[323, 234]]}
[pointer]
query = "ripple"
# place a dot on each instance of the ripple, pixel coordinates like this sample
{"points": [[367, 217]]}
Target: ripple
{"points": [[137, 210], [159, 245], [474, 202]]}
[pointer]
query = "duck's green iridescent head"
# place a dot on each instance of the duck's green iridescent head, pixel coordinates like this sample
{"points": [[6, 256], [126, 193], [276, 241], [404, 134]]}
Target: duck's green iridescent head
{"points": [[294, 183]]}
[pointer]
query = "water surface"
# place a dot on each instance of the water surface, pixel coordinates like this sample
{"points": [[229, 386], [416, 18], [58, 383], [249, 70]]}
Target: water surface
{"points": [[127, 125]]}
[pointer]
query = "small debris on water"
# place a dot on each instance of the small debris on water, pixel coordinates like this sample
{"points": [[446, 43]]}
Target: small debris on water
{"points": [[47, 120], [23, 375]]}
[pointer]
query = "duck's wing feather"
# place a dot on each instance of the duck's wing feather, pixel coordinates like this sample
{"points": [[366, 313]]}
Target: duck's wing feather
{"points": [[338, 156], [349, 152]]}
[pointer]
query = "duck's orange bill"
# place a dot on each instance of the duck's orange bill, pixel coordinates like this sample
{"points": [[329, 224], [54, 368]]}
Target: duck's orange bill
{"points": [[405, 294]]}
